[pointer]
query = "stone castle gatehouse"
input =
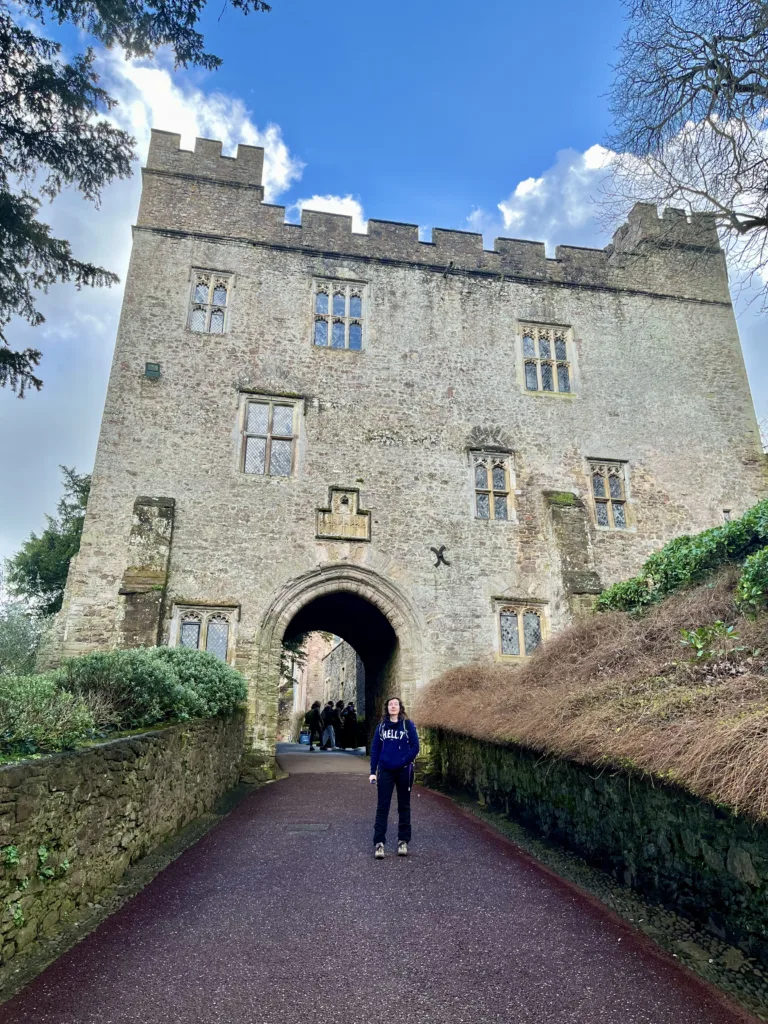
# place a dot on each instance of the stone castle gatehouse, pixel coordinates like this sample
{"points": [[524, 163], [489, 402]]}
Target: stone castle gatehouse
{"points": [[437, 452]]}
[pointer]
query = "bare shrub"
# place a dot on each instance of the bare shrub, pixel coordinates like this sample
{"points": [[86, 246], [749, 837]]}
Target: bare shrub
{"points": [[620, 690]]}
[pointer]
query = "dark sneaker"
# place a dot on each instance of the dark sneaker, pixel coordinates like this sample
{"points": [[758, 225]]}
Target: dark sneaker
{"points": [[378, 851], [402, 849]]}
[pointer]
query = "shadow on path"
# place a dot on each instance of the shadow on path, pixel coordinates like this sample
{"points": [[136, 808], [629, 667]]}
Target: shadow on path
{"points": [[266, 921]]}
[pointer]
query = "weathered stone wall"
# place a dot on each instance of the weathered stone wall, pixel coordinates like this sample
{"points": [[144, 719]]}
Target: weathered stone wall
{"points": [[70, 824], [700, 859], [659, 381], [344, 676]]}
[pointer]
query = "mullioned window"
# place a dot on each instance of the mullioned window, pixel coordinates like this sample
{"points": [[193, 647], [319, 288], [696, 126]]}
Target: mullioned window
{"points": [[521, 628], [547, 359], [609, 493], [209, 302], [339, 310]]}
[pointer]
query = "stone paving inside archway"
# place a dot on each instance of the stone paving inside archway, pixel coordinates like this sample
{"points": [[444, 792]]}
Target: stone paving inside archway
{"points": [[280, 915]]}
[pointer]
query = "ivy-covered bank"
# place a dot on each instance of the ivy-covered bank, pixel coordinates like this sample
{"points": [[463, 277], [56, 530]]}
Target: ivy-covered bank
{"points": [[72, 823], [699, 859]]}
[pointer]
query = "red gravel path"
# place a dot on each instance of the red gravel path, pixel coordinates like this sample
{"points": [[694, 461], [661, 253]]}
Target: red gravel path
{"points": [[258, 924]]}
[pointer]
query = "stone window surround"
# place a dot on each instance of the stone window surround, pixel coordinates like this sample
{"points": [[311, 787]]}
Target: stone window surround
{"points": [[492, 452], [206, 612], [591, 463], [570, 351], [299, 403], [520, 605], [320, 283], [223, 275]]}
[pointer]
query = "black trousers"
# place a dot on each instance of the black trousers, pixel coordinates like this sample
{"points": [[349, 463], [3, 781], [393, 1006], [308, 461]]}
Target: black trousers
{"points": [[390, 779]]}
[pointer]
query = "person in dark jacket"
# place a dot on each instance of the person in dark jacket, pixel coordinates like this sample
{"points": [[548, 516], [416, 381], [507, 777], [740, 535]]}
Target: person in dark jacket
{"points": [[328, 716], [314, 723], [349, 727], [338, 725], [393, 751]]}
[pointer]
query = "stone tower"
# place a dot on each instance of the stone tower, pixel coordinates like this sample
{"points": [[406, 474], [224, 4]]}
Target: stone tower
{"points": [[437, 452]]}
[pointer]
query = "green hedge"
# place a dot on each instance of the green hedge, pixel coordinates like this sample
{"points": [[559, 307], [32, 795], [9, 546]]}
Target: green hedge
{"points": [[689, 559], [113, 691], [37, 715]]}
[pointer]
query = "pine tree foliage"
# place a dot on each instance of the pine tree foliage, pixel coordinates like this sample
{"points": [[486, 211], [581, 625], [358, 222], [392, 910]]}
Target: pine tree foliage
{"points": [[38, 572], [53, 135]]}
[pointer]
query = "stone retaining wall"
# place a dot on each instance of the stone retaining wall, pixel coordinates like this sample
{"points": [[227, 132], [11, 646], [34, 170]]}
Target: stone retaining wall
{"points": [[70, 824], [699, 859]]}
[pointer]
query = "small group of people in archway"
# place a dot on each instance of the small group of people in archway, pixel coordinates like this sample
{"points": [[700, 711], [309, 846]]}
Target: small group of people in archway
{"points": [[335, 726]]}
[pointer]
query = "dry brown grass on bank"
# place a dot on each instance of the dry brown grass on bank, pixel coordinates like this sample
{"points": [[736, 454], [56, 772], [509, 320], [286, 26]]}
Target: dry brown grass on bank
{"points": [[620, 690]]}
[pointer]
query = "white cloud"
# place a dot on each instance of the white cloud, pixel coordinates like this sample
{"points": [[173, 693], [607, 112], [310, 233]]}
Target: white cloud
{"points": [[150, 98], [60, 424], [558, 206], [347, 205]]}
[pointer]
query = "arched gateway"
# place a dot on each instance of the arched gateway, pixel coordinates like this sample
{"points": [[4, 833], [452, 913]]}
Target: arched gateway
{"points": [[359, 605], [437, 451]]}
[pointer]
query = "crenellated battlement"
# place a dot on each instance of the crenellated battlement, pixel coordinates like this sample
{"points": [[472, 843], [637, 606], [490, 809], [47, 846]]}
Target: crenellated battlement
{"points": [[668, 254], [205, 161]]}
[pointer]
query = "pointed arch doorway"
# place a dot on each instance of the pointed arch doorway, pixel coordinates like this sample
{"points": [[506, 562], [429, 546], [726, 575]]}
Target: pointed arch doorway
{"points": [[364, 608]]}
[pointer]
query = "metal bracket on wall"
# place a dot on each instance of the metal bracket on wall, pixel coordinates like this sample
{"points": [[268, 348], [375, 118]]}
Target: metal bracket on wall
{"points": [[439, 554]]}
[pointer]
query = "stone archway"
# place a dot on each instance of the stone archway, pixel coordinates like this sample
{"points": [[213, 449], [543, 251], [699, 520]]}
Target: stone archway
{"points": [[336, 598]]}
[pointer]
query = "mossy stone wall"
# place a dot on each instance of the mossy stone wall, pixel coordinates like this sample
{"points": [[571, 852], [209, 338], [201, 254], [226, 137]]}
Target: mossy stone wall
{"points": [[700, 859], [70, 824]]}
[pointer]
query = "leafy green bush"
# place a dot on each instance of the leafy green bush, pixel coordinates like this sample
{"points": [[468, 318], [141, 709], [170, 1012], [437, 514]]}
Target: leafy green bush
{"points": [[220, 687], [141, 688], [688, 559], [715, 641], [752, 591], [36, 716], [113, 690]]}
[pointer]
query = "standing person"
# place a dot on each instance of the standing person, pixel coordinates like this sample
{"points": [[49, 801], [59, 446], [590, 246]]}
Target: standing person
{"points": [[349, 718], [338, 725], [394, 749], [313, 722], [328, 717]]}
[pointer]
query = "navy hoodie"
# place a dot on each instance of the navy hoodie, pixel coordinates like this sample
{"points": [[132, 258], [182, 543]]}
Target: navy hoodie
{"points": [[395, 744]]}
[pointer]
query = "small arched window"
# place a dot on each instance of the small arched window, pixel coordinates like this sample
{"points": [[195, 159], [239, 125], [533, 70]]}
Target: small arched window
{"points": [[520, 630], [210, 300], [492, 478], [609, 494], [338, 334], [546, 361], [355, 336], [321, 332], [217, 636], [338, 315], [203, 629], [189, 633]]}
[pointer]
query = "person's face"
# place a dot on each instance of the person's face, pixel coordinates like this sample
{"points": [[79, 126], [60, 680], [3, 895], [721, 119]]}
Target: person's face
{"points": [[393, 707]]}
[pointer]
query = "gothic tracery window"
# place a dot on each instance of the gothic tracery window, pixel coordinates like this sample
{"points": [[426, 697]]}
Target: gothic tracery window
{"points": [[338, 314], [209, 302], [520, 629], [547, 364], [492, 484], [608, 482], [205, 630]]}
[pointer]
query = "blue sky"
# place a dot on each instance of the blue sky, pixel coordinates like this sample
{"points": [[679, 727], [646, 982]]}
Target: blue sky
{"points": [[486, 117]]}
